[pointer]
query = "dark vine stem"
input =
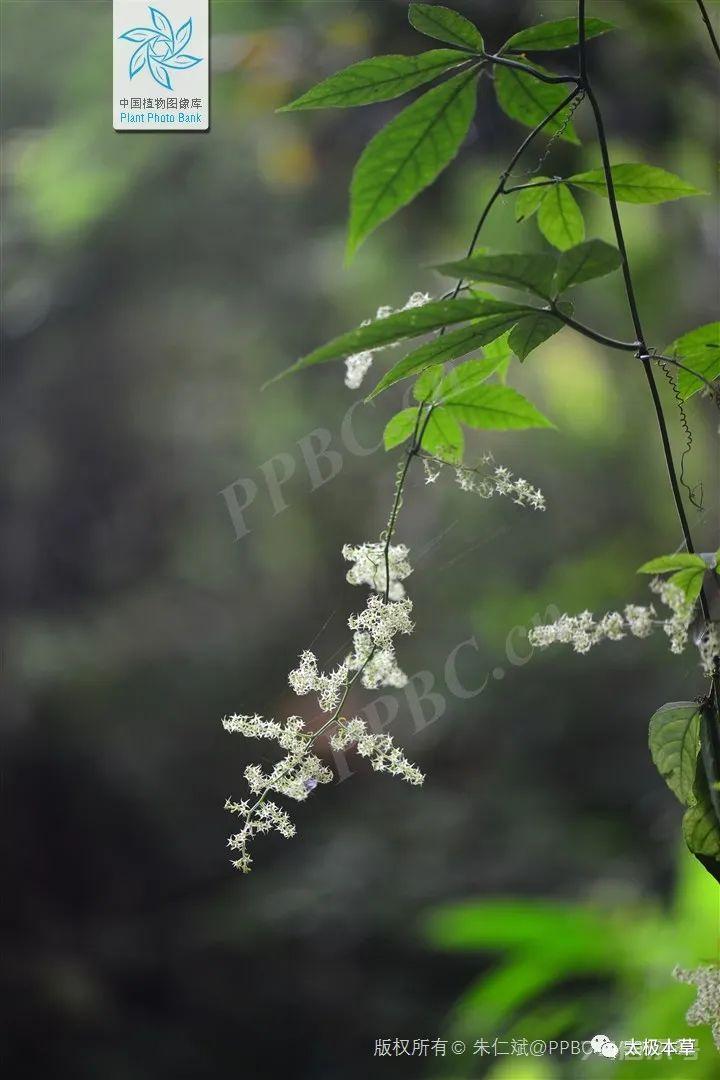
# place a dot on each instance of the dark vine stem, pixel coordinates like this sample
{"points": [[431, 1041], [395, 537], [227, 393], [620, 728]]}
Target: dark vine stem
{"points": [[421, 421], [643, 353], [541, 76], [710, 28]]}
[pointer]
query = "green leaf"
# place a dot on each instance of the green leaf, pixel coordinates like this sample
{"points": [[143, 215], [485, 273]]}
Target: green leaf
{"points": [[406, 155], [679, 561], [690, 581], [458, 385], [700, 824], [531, 331], [443, 437], [377, 79], [560, 218], [700, 350], [557, 34], [674, 739], [399, 428], [529, 101], [500, 350], [446, 25], [497, 407], [688, 571], [409, 323], [450, 346], [636, 184], [530, 198], [426, 384], [592, 259], [532, 272]]}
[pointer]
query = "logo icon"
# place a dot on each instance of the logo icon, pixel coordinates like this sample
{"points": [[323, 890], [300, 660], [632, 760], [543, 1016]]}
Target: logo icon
{"points": [[601, 1044], [160, 48]]}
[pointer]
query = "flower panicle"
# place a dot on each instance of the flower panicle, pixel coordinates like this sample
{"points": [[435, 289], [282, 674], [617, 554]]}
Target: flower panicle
{"points": [[487, 480], [583, 631], [373, 662]]}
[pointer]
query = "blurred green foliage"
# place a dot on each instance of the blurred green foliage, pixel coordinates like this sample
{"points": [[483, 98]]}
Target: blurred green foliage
{"points": [[573, 970]]}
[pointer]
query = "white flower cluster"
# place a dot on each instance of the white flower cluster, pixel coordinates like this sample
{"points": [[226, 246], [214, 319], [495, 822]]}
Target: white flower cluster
{"points": [[329, 686], [370, 567], [358, 365], [373, 649], [498, 481], [381, 751], [583, 631], [706, 1007], [295, 776], [373, 662]]}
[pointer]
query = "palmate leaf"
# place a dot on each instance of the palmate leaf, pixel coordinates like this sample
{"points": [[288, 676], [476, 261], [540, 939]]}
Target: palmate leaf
{"points": [[450, 346], [529, 101], [636, 183], [560, 218], [556, 34], [407, 155], [533, 272], [409, 323], [674, 740], [377, 79], [700, 350], [444, 24], [586, 261]]}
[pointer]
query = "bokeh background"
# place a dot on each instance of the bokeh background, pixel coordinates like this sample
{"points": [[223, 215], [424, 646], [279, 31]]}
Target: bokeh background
{"points": [[536, 885]]}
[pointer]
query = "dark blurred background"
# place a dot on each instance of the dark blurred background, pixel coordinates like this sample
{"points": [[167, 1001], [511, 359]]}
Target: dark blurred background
{"points": [[152, 283]]}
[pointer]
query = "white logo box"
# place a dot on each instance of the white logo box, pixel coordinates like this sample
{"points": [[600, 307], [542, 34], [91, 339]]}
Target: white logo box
{"points": [[161, 65]]}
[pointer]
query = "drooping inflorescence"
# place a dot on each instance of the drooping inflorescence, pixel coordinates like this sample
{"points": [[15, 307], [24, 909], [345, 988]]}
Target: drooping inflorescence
{"points": [[372, 661]]}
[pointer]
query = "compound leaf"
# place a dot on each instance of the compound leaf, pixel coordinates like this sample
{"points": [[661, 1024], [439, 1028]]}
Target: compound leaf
{"points": [[449, 347], [409, 323]]}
